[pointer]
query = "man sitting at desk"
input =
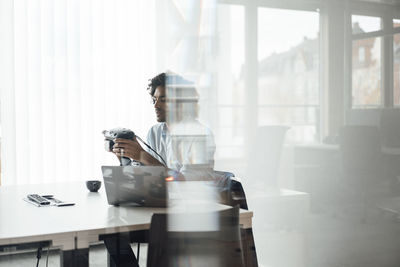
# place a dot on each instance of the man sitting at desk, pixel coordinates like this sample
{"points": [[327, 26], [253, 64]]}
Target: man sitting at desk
{"points": [[179, 140]]}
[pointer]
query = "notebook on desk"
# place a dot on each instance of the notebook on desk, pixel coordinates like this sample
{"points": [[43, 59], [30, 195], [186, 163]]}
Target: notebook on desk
{"points": [[135, 185]]}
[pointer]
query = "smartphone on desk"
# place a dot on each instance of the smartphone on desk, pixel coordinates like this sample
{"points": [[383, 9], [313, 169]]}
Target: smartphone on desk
{"points": [[57, 202]]}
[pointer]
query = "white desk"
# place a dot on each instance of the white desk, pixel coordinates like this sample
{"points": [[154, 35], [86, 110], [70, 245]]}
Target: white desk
{"points": [[279, 226], [73, 228]]}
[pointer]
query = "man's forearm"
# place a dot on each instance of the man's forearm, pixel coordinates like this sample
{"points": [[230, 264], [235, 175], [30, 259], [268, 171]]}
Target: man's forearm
{"points": [[147, 159]]}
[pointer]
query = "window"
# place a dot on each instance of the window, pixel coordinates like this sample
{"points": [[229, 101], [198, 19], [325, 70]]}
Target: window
{"points": [[362, 24], [396, 23], [231, 89], [64, 63], [288, 73], [366, 74], [361, 54], [366, 62], [375, 46]]}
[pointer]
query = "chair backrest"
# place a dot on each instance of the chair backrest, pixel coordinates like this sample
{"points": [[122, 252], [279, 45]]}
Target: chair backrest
{"points": [[218, 247], [368, 117], [265, 154], [390, 127], [231, 191], [360, 149]]}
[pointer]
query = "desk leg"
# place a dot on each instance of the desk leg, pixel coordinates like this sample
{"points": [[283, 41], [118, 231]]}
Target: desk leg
{"points": [[249, 248], [74, 258]]}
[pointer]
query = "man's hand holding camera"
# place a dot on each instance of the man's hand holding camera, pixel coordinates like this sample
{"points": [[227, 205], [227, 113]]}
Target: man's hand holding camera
{"points": [[122, 142], [129, 148]]}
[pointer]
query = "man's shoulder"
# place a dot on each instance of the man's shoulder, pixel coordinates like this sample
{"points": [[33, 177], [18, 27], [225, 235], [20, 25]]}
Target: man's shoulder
{"points": [[157, 128]]}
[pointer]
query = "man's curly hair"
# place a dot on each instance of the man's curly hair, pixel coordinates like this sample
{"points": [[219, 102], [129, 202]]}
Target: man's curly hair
{"points": [[159, 80]]}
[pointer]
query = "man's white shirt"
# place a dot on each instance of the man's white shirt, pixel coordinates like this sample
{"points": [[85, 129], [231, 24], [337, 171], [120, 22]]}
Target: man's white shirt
{"points": [[182, 145]]}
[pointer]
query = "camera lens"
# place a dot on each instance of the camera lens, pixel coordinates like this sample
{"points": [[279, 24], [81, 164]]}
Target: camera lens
{"points": [[108, 145]]}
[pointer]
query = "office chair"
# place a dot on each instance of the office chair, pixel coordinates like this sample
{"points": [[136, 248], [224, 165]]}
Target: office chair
{"points": [[231, 190], [264, 160], [390, 127], [232, 194], [172, 245], [390, 138], [362, 164]]}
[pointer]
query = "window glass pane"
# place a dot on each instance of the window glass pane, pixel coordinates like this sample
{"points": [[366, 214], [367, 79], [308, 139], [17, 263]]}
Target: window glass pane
{"points": [[229, 152], [231, 53], [396, 23], [363, 24], [303, 121], [396, 69], [366, 80], [232, 137], [229, 112], [231, 116], [288, 58]]}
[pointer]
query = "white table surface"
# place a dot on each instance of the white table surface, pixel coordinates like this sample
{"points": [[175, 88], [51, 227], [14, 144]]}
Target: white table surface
{"points": [[73, 227]]}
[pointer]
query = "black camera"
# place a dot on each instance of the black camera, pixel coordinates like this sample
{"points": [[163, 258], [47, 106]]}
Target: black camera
{"points": [[112, 134]]}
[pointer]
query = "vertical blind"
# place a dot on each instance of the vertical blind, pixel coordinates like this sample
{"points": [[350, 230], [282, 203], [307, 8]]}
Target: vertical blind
{"points": [[70, 69]]}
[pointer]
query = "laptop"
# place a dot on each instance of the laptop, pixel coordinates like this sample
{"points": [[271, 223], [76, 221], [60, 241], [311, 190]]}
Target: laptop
{"points": [[135, 185]]}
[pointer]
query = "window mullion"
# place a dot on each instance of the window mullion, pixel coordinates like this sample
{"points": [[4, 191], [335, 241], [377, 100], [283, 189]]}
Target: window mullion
{"points": [[387, 63]]}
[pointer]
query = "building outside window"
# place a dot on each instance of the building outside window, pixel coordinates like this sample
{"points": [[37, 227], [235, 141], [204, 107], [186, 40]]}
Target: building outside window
{"points": [[366, 63], [288, 72]]}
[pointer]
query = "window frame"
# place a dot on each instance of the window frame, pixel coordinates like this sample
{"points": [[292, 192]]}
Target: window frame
{"points": [[251, 54], [328, 124], [387, 15]]}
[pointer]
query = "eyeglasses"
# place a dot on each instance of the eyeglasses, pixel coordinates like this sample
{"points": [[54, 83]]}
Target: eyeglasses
{"points": [[162, 99]]}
